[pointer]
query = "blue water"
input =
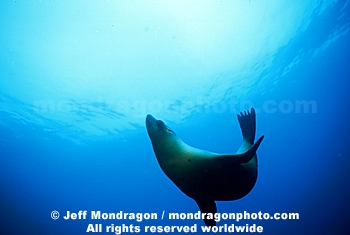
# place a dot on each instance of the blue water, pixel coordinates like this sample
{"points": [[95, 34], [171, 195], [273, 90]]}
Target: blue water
{"points": [[79, 77]]}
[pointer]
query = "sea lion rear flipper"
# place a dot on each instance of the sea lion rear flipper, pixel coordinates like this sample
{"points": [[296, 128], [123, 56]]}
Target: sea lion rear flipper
{"points": [[247, 122], [207, 206]]}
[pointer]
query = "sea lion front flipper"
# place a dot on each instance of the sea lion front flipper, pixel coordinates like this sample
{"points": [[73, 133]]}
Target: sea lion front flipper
{"points": [[246, 157], [229, 159], [207, 206]]}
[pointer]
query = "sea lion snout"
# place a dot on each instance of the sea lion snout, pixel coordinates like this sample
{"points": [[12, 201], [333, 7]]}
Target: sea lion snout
{"points": [[150, 121], [150, 118]]}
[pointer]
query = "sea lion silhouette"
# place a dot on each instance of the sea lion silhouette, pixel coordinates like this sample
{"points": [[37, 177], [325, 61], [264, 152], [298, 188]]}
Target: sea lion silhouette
{"points": [[204, 176]]}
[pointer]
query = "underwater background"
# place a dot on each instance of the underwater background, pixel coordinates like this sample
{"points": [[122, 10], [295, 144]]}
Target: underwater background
{"points": [[77, 79]]}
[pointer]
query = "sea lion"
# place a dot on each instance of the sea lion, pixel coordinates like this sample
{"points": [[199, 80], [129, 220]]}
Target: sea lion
{"points": [[204, 176]]}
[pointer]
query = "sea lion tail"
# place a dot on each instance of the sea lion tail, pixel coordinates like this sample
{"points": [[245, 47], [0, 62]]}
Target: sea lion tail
{"points": [[247, 122]]}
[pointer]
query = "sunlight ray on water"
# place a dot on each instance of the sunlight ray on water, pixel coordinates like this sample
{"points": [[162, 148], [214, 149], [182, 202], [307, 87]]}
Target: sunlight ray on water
{"points": [[100, 68]]}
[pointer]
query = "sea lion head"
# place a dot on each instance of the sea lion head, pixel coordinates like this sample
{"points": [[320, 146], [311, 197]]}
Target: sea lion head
{"points": [[164, 140], [157, 130]]}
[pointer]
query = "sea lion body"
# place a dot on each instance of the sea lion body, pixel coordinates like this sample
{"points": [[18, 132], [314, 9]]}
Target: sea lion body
{"points": [[202, 175]]}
